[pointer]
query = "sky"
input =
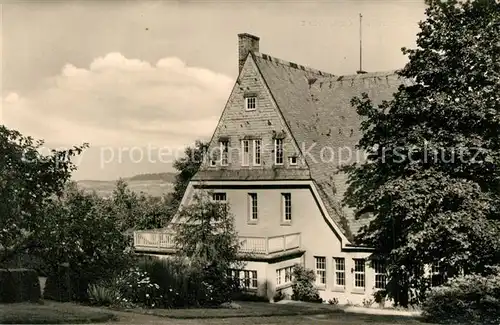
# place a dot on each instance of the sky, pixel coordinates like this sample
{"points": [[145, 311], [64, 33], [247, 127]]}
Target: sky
{"points": [[139, 81]]}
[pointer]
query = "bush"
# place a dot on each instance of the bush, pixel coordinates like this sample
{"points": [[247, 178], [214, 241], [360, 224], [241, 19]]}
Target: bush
{"points": [[136, 289], [63, 285], [471, 299], [279, 295], [104, 294], [182, 284], [303, 285], [333, 301], [18, 285]]}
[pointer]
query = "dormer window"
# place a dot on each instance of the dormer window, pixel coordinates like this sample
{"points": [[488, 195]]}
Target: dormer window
{"points": [[251, 103], [278, 151], [292, 160]]}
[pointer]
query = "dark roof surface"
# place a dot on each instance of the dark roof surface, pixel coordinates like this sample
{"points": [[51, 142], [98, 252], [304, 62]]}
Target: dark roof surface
{"points": [[317, 108]]}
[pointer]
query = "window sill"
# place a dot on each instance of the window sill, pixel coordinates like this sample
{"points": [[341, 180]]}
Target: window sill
{"points": [[284, 286], [360, 291], [285, 223], [252, 222], [321, 287], [338, 289]]}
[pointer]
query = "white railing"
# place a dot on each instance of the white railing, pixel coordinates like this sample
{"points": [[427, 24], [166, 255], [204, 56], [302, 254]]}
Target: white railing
{"points": [[161, 240]]}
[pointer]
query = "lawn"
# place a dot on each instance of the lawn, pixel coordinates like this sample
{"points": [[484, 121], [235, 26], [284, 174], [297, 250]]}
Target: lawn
{"points": [[266, 313], [51, 313]]}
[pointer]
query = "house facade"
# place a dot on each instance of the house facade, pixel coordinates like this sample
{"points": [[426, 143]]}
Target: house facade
{"points": [[275, 157]]}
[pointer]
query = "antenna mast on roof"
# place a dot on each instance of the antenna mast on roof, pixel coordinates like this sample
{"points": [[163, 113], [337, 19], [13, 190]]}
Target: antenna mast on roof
{"points": [[360, 71]]}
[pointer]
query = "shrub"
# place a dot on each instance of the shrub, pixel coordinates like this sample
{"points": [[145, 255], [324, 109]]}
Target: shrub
{"points": [[18, 285], [472, 299], [279, 295], [303, 285], [368, 303], [136, 289], [104, 294], [379, 296], [333, 301], [63, 284]]}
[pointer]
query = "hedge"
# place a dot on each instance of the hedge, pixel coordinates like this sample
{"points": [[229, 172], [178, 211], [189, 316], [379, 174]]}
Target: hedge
{"points": [[472, 299], [19, 285]]}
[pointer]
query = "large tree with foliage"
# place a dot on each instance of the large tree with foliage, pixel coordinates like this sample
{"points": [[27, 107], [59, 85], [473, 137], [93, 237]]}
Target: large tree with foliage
{"points": [[187, 167], [28, 180], [87, 239], [207, 238], [432, 178]]}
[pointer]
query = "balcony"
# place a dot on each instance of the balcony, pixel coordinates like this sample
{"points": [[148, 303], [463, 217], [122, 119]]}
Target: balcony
{"points": [[163, 242]]}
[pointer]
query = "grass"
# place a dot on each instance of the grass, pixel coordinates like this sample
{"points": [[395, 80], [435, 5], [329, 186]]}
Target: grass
{"points": [[51, 313], [268, 311]]}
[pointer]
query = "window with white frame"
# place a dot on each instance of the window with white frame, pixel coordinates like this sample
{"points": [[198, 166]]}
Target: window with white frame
{"points": [[359, 273], [286, 199], [339, 263], [251, 103], [246, 278], [257, 152], [245, 152], [320, 269], [252, 206], [224, 149], [380, 275], [292, 160], [219, 197], [278, 151], [284, 275]]}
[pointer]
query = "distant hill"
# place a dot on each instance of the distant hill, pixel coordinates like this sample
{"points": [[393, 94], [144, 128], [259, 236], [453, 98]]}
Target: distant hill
{"points": [[167, 177], [157, 184]]}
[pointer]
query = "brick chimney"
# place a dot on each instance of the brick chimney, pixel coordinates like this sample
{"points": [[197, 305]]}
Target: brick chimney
{"points": [[246, 43]]}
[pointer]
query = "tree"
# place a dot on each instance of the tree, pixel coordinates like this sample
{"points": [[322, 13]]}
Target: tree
{"points": [[28, 180], [187, 167], [133, 211], [206, 237], [86, 239], [432, 177]]}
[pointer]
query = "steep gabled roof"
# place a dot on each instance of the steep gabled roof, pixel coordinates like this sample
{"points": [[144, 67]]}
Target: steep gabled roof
{"points": [[317, 108]]}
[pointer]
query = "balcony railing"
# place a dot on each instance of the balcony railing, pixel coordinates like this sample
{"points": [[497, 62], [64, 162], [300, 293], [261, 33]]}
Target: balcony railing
{"points": [[164, 241]]}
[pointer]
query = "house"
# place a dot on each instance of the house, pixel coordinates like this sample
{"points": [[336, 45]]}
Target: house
{"points": [[275, 156]]}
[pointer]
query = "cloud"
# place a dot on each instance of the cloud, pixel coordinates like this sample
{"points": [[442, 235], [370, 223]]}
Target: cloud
{"points": [[118, 101]]}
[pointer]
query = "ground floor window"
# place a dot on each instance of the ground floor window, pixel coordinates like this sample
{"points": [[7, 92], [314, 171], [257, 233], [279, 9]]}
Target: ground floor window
{"points": [[284, 275], [339, 264], [320, 270], [359, 273], [437, 275], [246, 278], [380, 275]]}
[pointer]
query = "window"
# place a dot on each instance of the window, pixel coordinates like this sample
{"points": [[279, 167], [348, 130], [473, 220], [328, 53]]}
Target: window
{"points": [[219, 197], [251, 103], [246, 278], [359, 273], [437, 275], [284, 276], [339, 271], [292, 161], [224, 149], [320, 270], [256, 152], [252, 206], [278, 151], [380, 276], [287, 206], [245, 152]]}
